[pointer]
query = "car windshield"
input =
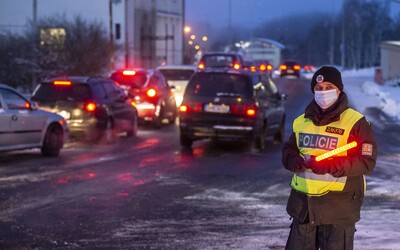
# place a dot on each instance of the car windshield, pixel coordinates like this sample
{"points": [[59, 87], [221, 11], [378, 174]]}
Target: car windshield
{"points": [[51, 92], [137, 80], [220, 84], [216, 61], [177, 74]]}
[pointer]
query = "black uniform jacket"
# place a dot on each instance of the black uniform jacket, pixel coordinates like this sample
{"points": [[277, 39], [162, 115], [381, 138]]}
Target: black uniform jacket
{"points": [[334, 207]]}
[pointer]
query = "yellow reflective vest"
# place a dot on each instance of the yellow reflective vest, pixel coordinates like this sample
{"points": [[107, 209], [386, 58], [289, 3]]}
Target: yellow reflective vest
{"points": [[316, 140]]}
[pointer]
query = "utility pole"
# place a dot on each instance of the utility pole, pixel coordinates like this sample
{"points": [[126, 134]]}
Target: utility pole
{"points": [[230, 21], [34, 14], [343, 43], [111, 35]]}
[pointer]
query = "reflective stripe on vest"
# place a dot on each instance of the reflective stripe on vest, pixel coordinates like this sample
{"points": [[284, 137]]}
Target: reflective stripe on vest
{"points": [[315, 140]]}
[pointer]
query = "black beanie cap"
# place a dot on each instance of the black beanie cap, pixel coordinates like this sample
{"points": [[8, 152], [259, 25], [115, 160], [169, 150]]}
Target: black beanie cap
{"points": [[327, 74]]}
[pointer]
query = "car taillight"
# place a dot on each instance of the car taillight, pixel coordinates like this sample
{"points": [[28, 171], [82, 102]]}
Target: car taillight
{"points": [[269, 67], [244, 109], [283, 67], [262, 67], [201, 65], [151, 92], [129, 72], [253, 69], [27, 105], [65, 83], [296, 67], [90, 107], [236, 65], [191, 107]]}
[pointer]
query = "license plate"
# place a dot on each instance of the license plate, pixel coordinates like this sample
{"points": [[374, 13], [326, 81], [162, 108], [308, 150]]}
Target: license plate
{"points": [[290, 71], [216, 108]]}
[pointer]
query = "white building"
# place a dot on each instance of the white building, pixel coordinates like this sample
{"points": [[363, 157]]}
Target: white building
{"points": [[262, 49], [390, 60], [148, 33]]}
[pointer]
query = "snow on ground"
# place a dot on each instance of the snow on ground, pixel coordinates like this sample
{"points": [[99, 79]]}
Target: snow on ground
{"points": [[363, 92], [378, 227]]}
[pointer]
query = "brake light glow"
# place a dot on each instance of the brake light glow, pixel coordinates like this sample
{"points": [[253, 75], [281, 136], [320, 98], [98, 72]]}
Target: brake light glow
{"points": [[263, 67], [296, 67], [27, 105], [251, 112], [244, 109], [62, 83], [191, 107], [90, 107], [129, 72], [283, 67], [236, 65], [151, 92], [336, 151], [269, 67], [201, 65]]}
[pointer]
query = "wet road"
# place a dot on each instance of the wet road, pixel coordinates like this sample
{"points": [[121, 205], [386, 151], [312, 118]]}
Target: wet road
{"points": [[145, 193]]}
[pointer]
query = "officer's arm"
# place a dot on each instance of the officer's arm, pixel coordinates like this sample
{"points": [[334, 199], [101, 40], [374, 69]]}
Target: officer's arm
{"points": [[362, 159], [291, 158]]}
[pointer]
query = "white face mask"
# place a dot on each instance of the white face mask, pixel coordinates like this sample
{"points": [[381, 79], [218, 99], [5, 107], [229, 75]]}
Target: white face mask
{"points": [[325, 98]]}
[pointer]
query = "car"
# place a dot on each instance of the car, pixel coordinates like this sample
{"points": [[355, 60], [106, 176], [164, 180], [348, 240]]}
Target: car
{"points": [[232, 105], [290, 67], [177, 77], [24, 126], [264, 66], [232, 60], [250, 65], [153, 96], [95, 108]]}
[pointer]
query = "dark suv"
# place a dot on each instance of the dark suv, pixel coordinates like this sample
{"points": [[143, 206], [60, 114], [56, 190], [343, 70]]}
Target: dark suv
{"points": [[290, 68], [231, 60], [231, 105], [153, 96], [94, 107]]}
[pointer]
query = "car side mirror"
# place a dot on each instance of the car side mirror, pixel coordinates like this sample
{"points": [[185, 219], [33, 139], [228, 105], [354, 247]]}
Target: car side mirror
{"points": [[284, 96], [33, 106]]}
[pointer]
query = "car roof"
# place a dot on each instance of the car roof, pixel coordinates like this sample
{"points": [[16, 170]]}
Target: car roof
{"points": [[222, 54], [78, 79], [142, 70], [177, 67], [6, 86], [228, 71]]}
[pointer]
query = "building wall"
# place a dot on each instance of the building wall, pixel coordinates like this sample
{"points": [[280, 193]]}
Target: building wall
{"points": [[390, 60], [140, 22]]}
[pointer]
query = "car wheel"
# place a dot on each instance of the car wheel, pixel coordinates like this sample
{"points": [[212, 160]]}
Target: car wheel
{"points": [[186, 142], [278, 136], [173, 118], [133, 130], [259, 141], [107, 134], [53, 141], [157, 122]]}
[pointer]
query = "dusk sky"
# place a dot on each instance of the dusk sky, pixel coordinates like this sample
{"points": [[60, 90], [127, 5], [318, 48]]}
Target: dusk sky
{"points": [[246, 13]]}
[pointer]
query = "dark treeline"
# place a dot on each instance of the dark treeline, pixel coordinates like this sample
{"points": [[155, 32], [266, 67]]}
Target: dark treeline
{"points": [[28, 58], [350, 39]]}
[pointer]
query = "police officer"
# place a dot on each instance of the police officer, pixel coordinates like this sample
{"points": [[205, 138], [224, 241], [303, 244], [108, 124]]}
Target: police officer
{"points": [[326, 196]]}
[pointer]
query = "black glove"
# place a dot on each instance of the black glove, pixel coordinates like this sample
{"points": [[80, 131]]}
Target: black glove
{"points": [[320, 167], [299, 164]]}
